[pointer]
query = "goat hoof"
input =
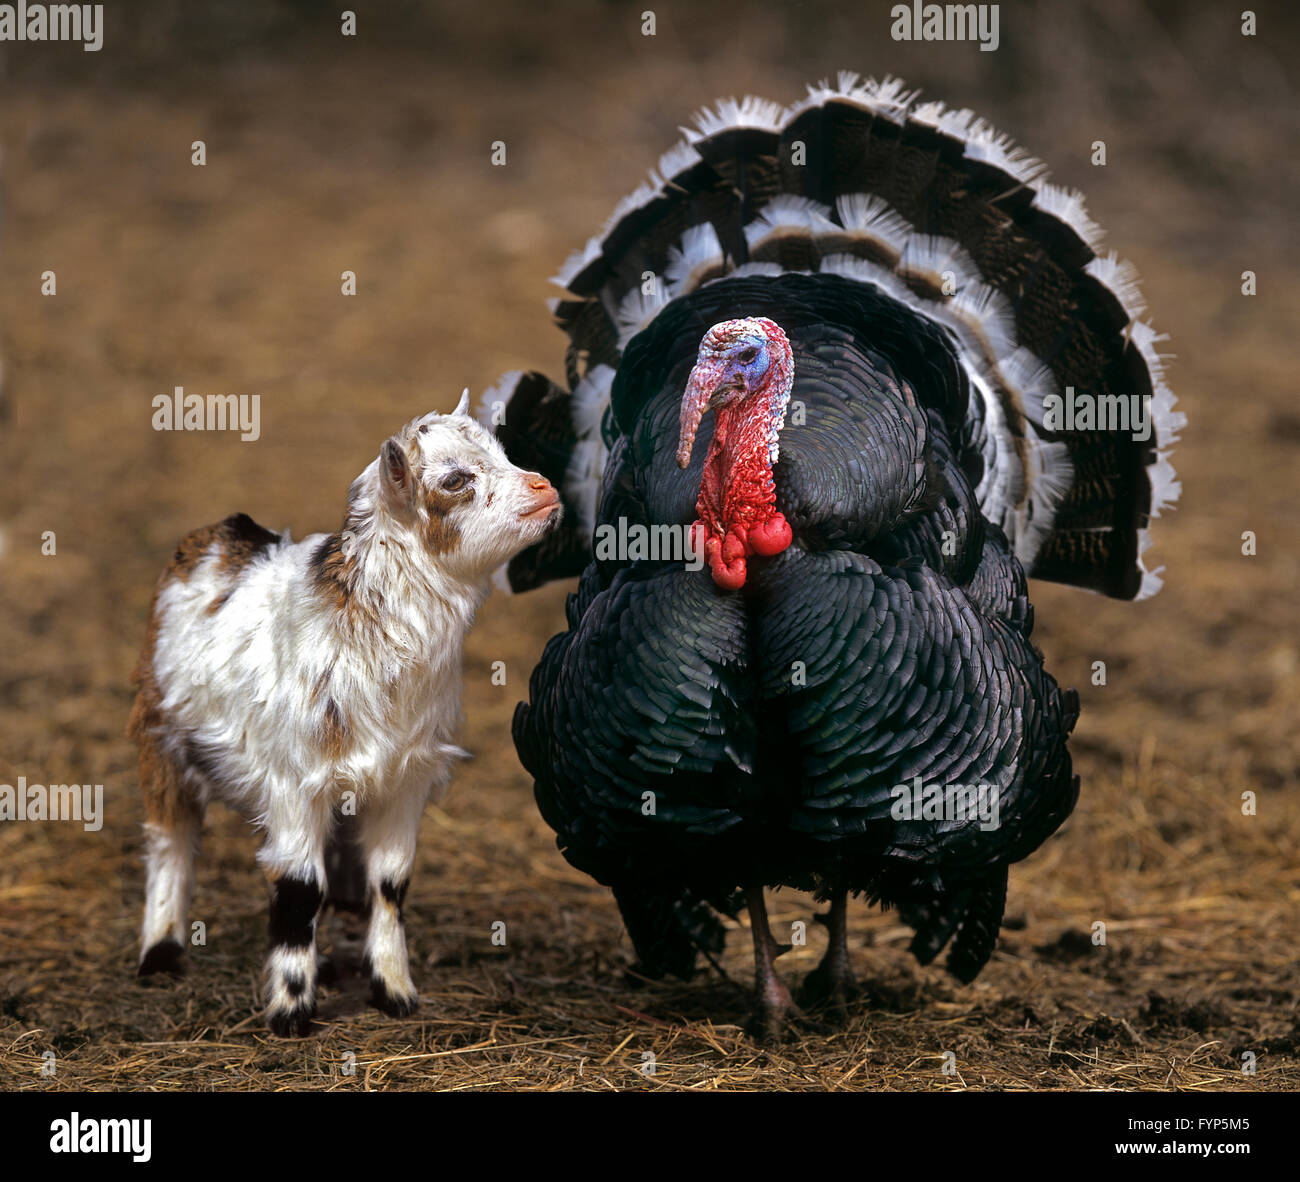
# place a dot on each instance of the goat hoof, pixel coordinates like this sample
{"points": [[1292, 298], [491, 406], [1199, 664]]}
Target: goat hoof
{"points": [[395, 1005], [163, 957], [293, 1023]]}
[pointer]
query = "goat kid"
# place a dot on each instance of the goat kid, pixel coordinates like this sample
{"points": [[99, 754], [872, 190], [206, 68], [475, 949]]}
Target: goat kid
{"points": [[279, 677]]}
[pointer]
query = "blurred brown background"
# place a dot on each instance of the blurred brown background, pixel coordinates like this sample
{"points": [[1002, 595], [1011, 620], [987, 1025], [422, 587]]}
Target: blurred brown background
{"points": [[372, 154]]}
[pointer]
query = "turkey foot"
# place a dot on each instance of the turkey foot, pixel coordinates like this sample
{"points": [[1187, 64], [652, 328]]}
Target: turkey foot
{"points": [[775, 1013], [831, 984]]}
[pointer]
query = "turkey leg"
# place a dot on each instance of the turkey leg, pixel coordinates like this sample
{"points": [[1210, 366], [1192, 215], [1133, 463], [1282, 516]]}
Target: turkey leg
{"points": [[775, 1005], [832, 980]]}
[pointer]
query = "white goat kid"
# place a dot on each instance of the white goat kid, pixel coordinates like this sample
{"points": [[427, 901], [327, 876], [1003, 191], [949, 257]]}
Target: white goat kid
{"points": [[281, 676]]}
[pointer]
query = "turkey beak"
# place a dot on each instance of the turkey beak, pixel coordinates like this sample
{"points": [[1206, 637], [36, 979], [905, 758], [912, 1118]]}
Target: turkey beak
{"points": [[697, 399]]}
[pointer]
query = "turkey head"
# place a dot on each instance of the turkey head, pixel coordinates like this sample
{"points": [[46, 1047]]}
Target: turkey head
{"points": [[743, 373]]}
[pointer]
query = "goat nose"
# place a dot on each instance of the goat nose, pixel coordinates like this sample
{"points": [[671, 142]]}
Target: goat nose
{"points": [[537, 482]]}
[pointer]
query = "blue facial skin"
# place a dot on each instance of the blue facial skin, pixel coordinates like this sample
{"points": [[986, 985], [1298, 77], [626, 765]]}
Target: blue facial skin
{"points": [[746, 367]]}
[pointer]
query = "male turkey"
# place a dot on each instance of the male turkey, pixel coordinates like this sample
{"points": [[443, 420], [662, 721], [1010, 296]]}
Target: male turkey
{"points": [[889, 333]]}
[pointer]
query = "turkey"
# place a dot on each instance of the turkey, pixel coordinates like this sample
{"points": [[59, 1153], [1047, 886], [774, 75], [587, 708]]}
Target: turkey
{"points": [[877, 370]]}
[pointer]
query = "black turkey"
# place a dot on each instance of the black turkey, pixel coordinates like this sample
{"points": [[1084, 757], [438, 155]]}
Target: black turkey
{"points": [[845, 699]]}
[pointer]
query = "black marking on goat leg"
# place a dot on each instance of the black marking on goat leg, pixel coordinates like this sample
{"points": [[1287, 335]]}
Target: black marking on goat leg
{"points": [[395, 893], [294, 904]]}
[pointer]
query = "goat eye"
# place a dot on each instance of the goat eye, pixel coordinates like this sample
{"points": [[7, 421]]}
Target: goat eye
{"points": [[456, 481], [424, 428]]}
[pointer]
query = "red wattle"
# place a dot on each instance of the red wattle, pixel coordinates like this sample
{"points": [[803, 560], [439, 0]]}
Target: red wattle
{"points": [[771, 536], [729, 576]]}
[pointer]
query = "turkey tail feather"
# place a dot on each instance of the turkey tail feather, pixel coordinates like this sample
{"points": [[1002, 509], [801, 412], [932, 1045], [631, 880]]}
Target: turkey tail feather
{"points": [[978, 934], [969, 918]]}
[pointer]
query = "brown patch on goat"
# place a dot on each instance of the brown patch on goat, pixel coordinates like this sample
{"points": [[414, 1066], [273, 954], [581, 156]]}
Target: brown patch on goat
{"points": [[168, 801], [333, 571], [190, 552], [334, 731], [440, 536], [238, 540]]}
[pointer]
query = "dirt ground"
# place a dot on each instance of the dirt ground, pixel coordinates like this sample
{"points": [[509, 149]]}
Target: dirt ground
{"points": [[372, 154]]}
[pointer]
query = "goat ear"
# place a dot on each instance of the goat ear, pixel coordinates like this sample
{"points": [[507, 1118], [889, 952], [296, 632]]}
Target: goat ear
{"points": [[395, 472], [462, 407]]}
